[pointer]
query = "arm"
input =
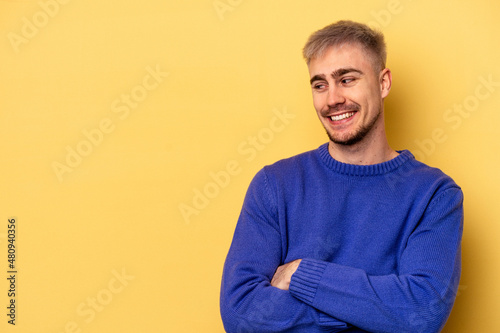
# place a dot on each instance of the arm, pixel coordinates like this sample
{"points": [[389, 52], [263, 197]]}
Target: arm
{"points": [[249, 303], [418, 298]]}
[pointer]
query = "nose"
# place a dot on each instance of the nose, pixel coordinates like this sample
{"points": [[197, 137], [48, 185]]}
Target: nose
{"points": [[335, 96]]}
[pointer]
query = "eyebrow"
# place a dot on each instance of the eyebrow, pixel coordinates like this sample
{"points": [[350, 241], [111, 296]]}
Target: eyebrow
{"points": [[336, 74]]}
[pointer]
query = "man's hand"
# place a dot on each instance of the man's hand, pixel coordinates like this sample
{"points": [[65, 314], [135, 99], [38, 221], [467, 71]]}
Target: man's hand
{"points": [[283, 274]]}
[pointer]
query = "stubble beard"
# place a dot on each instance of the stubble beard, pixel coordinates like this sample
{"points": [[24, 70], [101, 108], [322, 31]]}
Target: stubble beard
{"points": [[356, 136]]}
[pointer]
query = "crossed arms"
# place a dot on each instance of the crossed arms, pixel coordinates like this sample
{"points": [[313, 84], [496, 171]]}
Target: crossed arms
{"points": [[262, 293]]}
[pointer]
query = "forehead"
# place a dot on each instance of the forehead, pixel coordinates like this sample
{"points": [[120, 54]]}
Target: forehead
{"points": [[341, 56]]}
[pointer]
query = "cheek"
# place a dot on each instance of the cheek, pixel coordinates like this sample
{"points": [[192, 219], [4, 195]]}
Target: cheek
{"points": [[318, 102], [364, 99], [374, 101]]}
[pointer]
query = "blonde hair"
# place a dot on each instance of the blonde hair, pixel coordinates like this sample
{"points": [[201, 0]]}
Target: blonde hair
{"points": [[343, 32]]}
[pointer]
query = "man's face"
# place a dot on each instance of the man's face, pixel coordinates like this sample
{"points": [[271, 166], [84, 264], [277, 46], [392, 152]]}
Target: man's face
{"points": [[348, 93]]}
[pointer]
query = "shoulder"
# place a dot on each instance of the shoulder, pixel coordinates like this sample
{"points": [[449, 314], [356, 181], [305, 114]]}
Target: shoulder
{"points": [[295, 164], [424, 181], [431, 175], [288, 173]]}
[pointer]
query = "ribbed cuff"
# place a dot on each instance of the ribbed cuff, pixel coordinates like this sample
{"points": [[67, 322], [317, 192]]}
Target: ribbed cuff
{"points": [[305, 280]]}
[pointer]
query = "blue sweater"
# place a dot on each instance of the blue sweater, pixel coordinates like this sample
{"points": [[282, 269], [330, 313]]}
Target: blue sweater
{"points": [[380, 246]]}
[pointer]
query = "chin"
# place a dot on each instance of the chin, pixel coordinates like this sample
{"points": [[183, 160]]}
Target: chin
{"points": [[347, 139]]}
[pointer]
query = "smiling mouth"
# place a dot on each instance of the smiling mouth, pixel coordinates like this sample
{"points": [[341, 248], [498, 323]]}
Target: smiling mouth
{"points": [[342, 116]]}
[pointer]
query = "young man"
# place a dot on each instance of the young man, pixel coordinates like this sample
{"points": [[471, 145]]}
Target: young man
{"points": [[352, 236]]}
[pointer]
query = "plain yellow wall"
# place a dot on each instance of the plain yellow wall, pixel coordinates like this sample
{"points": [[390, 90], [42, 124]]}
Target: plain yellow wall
{"points": [[129, 132]]}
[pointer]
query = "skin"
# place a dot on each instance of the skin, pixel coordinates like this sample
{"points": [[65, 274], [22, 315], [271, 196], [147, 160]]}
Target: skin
{"points": [[283, 275], [346, 79]]}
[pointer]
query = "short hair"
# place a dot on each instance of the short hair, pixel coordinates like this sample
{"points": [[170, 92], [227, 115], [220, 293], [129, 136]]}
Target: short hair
{"points": [[343, 32]]}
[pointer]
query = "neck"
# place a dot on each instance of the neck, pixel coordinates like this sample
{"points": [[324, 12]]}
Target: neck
{"points": [[372, 149]]}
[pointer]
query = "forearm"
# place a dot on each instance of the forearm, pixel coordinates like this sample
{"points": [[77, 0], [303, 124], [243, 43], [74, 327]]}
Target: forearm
{"points": [[374, 303], [264, 308], [249, 303]]}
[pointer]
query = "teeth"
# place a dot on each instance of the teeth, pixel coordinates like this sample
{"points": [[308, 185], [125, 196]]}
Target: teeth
{"points": [[342, 116]]}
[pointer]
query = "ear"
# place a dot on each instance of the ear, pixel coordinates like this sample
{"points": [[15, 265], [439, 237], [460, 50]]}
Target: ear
{"points": [[385, 82]]}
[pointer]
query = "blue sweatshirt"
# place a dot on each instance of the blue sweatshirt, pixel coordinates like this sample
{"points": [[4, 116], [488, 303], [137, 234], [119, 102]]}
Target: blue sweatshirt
{"points": [[380, 246]]}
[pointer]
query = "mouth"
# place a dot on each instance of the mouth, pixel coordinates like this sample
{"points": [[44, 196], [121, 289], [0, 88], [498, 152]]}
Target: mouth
{"points": [[339, 117]]}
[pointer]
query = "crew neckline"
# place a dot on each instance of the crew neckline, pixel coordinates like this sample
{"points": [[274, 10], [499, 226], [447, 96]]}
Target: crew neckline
{"points": [[363, 170]]}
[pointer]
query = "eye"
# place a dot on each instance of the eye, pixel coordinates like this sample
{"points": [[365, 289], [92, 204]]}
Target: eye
{"points": [[347, 80], [319, 86]]}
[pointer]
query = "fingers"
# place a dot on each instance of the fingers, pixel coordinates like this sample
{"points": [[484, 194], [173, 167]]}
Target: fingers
{"points": [[283, 275]]}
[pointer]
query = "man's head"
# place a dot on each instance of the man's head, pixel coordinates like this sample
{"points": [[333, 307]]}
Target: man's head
{"points": [[349, 81]]}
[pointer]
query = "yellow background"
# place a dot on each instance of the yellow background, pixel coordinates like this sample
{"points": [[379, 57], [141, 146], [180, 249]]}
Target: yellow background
{"points": [[232, 65]]}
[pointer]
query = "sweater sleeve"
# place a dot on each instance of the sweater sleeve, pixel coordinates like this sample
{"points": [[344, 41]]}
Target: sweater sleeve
{"points": [[418, 298], [248, 301]]}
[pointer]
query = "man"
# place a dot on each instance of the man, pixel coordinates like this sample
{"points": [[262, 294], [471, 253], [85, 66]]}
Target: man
{"points": [[352, 236]]}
